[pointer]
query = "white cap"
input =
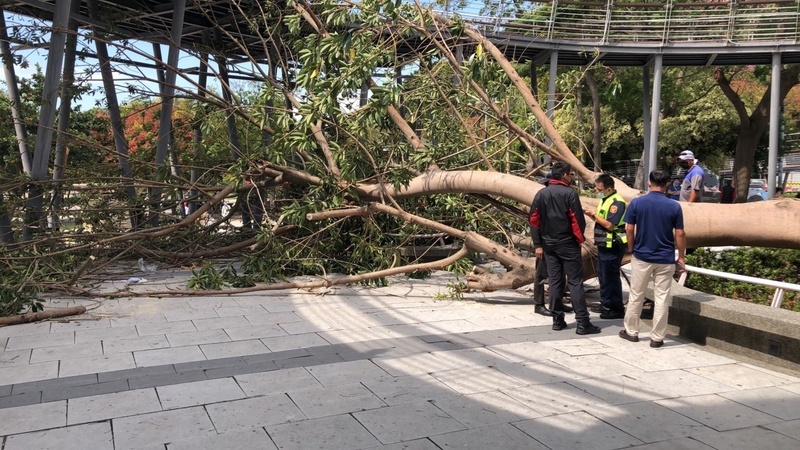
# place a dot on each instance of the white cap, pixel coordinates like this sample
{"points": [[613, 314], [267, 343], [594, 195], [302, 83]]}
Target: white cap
{"points": [[686, 154]]}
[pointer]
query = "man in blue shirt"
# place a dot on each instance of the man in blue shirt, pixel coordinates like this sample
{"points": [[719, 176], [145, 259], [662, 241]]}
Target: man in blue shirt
{"points": [[654, 228], [692, 187]]}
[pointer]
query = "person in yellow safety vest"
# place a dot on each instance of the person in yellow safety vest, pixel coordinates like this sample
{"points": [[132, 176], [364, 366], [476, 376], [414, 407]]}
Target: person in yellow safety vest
{"points": [[611, 241]]}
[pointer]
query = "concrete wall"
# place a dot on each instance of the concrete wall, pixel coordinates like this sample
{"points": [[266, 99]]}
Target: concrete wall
{"points": [[756, 331]]}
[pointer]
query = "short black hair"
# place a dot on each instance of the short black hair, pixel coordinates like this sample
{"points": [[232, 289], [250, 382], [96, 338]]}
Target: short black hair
{"points": [[778, 189], [659, 178], [606, 179], [560, 169]]}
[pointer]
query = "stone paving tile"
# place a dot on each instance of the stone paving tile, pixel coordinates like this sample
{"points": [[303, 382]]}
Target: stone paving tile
{"points": [[236, 348], [576, 431], [199, 393], [578, 347], [183, 326], [789, 428], [158, 428], [218, 323], [777, 402], [40, 340], [475, 379], [346, 372], [266, 318], [555, 398], [485, 408], [416, 444], [413, 364], [525, 351], [254, 412], [138, 372], [49, 395], [166, 379], [309, 360], [310, 327], [649, 422], [232, 309], [407, 421], [718, 412], [94, 364], [396, 391], [28, 398], [681, 383], [295, 341], [792, 388], [25, 329], [42, 416], [619, 389], [539, 372], [210, 364], [598, 366], [190, 314], [330, 401], [278, 381], [748, 438], [112, 406], [674, 444], [98, 436], [15, 357], [739, 376], [86, 349], [503, 436], [256, 439], [471, 357], [197, 337], [173, 355], [103, 334], [232, 371], [74, 325], [325, 433], [55, 383], [255, 332], [679, 357], [135, 344], [29, 372]]}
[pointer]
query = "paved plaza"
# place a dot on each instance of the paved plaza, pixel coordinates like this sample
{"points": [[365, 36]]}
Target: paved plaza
{"points": [[358, 368]]}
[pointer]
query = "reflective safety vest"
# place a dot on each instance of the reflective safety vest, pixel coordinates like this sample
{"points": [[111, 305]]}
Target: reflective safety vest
{"points": [[603, 237]]}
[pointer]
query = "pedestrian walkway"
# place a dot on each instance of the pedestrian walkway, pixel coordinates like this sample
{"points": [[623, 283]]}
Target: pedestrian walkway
{"points": [[358, 367]]}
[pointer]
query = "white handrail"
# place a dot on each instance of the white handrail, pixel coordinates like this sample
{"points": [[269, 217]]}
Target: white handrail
{"points": [[779, 286]]}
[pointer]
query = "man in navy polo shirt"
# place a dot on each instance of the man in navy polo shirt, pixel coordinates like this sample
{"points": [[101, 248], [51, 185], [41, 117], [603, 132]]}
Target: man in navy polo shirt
{"points": [[654, 227]]}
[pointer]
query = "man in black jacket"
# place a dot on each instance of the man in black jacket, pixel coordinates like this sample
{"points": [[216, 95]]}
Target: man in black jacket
{"points": [[557, 227]]}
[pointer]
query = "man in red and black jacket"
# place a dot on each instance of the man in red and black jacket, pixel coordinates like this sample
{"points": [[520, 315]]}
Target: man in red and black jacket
{"points": [[557, 226]]}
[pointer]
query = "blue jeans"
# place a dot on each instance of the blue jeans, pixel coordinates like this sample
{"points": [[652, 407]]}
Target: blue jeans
{"points": [[609, 261]]}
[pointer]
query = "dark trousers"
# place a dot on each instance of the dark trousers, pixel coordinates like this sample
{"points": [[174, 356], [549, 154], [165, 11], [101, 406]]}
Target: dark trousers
{"points": [[538, 282], [609, 261], [566, 259]]}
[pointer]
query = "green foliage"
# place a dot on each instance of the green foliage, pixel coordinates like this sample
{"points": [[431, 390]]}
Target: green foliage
{"points": [[768, 263], [206, 278]]}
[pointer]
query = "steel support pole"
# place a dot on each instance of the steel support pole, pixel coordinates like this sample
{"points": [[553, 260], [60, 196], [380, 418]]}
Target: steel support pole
{"points": [[47, 116], [115, 119], [774, 124], [65, 108], [655, 114], [645, 127], [13, 95]]}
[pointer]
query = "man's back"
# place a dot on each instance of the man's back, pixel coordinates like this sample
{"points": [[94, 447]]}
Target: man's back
{"points": [[554, 207], [656, 217]]}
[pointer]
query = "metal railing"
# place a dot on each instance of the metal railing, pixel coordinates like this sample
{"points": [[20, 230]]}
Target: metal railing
{"points": [[726, 21], [780, 287]]}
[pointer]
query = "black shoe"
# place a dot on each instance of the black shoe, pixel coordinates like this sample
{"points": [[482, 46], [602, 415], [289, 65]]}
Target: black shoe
{"points": [[566, 308], [611, 314], [599, 309], [541, 309], [587, 328], [628, 337], [559, 323], [656, 344]]}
